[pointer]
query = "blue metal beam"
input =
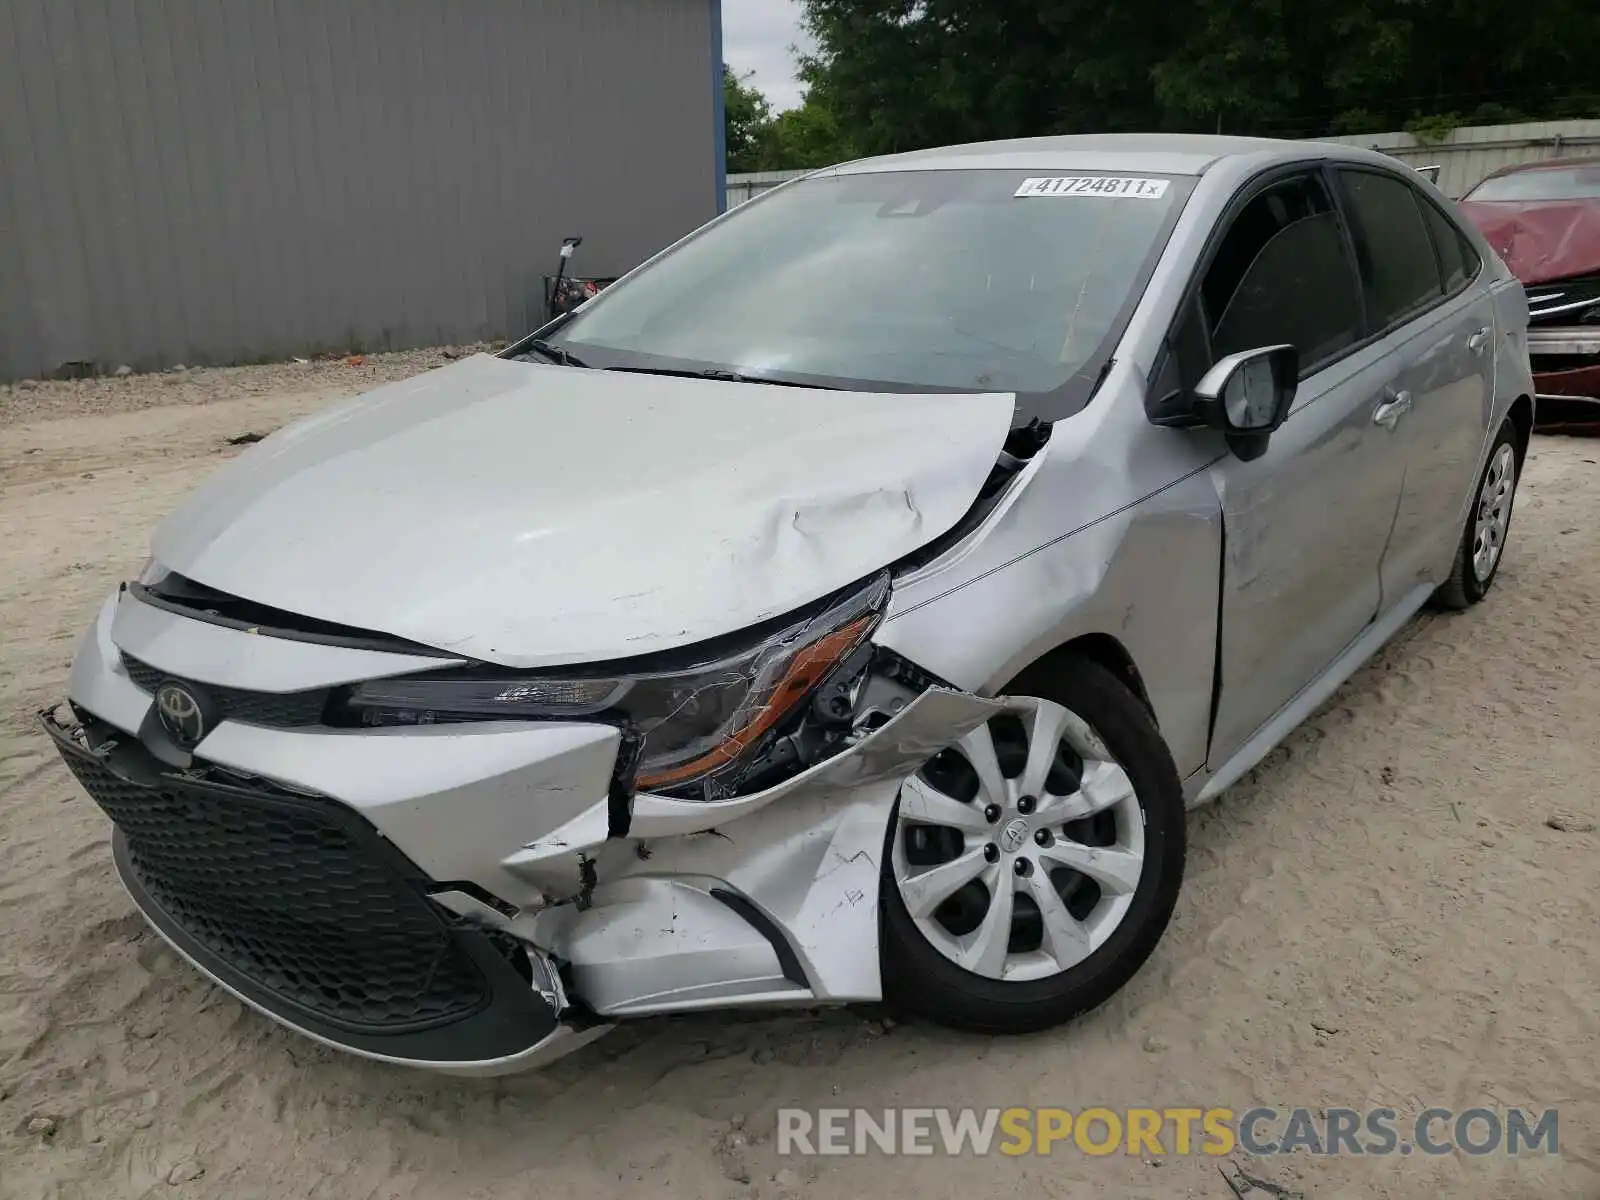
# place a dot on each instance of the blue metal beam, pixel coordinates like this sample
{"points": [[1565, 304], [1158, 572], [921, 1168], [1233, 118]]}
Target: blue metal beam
{"points": [[718, 109]]}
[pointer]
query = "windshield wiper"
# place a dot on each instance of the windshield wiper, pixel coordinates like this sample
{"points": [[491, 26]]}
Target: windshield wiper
{"points": [[555, 353], [722, 376]]}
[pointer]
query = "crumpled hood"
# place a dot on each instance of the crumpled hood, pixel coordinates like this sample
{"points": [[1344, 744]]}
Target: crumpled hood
{"points": [[1541, 241], [537, 515]]}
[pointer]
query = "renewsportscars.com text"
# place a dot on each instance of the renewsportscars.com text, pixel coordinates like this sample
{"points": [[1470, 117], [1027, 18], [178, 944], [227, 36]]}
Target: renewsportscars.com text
{"points": [[1159, 1132]]}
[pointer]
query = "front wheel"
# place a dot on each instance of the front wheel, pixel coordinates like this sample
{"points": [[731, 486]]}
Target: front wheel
{"points": [[1483, 541], [1032, 867]]}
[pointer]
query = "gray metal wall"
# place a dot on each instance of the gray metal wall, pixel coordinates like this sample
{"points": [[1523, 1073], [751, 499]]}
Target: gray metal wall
{"points": [[227, 180]]}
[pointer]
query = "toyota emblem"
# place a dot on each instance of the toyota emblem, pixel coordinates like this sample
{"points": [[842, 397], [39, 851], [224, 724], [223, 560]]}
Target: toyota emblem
{"points": [[1014, 835], [180, 713]]}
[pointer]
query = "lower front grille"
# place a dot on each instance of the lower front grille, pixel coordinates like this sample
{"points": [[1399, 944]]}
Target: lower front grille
{"points": [[298, 895]]}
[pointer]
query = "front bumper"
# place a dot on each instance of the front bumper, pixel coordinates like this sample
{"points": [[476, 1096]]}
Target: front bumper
{"points": [[302, 910], [1566, 363]]}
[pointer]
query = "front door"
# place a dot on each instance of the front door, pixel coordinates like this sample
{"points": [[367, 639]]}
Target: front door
{"points": [[1306, 523]]}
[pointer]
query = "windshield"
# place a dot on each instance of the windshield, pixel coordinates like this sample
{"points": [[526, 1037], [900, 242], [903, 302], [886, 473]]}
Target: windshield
{"points": [[1567, 183], [939, 280]]}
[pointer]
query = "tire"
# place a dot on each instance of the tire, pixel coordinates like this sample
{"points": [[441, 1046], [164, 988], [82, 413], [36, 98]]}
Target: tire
{"points": [[1467, 584], [921, 979]]}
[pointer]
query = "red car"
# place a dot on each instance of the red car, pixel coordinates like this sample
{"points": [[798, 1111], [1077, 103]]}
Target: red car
{"points": [[1543, 219]]}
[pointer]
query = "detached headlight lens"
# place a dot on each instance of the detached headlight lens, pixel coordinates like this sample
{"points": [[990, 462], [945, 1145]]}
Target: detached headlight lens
{"points": [[693, 722]]}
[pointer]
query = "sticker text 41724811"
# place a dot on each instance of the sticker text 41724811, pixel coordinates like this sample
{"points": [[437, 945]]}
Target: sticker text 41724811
{"points": [[1107, 187]]}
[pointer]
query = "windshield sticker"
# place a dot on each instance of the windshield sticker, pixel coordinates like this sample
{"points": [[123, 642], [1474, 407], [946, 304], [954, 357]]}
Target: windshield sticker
{"points": [[1113, 187]]}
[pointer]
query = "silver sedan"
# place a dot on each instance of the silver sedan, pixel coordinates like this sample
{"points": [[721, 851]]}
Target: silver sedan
{"points": [[844, 606]]}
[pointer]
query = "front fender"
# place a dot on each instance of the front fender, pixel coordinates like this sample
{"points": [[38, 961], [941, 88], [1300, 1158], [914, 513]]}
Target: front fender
{"points": [[1123, 542]]}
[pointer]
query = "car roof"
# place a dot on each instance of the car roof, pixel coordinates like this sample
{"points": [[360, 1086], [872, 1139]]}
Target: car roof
{"points": [[1158, 153], [1545, 164]]}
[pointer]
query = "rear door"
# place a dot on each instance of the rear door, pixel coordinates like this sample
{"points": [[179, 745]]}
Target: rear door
{"points": [[1420, 278], [1305, 523]]}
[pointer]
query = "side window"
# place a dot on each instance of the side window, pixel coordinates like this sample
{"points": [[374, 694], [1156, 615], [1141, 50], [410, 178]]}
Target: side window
{"points": [[1282, 274], [1458, 261], [1398, 269]]}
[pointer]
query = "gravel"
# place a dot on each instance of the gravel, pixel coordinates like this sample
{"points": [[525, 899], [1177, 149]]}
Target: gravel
{"points": [[30, 400]]}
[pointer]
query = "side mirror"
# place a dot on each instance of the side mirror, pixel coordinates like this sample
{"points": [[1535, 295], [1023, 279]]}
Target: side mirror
{"points": [[1248, 395]]}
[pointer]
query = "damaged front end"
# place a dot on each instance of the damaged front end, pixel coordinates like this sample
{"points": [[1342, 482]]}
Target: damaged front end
{"points": [[475, 868], [474, 863], [739, 867], [736, 860]]}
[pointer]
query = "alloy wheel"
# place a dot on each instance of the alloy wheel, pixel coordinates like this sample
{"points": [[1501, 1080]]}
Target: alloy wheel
{"points": [[1494, 512], [1018, 850]]}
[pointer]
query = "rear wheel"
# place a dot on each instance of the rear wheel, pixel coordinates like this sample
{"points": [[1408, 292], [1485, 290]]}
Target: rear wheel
{"points": [[1484, 538], [1032, 868]]}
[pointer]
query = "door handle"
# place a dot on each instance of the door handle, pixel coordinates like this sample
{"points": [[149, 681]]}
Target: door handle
{"points": [[1390, 410], [1479, 340]]}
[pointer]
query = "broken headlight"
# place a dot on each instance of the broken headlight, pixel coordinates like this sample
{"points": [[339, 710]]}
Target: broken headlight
{"points": [[693, 722]]}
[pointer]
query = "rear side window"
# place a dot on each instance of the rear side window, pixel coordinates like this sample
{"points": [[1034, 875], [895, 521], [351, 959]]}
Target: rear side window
{"points": [[1398, 268], [1282, 274], [1458, 261]]}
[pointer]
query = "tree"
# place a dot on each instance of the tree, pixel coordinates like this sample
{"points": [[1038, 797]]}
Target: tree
{"points": [[759, 140], [901, 74], [808, 136], [747, 121]]}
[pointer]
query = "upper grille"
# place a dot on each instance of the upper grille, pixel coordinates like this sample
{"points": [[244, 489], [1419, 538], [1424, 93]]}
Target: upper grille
{"points": [[298, 895], [275, 709]]}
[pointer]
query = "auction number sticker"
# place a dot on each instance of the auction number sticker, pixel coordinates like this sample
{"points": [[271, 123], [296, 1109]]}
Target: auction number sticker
{"points": [[1113, 187]]}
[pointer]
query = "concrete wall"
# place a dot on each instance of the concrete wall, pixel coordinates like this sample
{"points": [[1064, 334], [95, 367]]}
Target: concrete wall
{"points": [[749, 184], [1466, 156], [227, 180]]}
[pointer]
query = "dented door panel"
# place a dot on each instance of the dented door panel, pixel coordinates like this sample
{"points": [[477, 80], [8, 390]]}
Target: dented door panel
{"points": [[1306, 524]]}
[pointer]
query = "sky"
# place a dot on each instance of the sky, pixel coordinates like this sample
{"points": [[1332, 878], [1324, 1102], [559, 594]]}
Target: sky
{"points": [[756, 36]]}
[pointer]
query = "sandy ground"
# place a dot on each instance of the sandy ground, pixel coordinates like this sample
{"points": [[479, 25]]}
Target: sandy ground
{"points": [[1380, 915]]}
